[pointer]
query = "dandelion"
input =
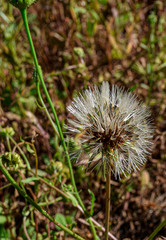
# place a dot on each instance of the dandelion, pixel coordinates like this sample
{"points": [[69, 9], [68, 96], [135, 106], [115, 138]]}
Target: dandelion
{"points": [[111, 129]]}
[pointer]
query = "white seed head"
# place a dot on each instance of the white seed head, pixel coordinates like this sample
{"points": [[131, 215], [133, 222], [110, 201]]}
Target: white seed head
{"points": [[111, 129]]}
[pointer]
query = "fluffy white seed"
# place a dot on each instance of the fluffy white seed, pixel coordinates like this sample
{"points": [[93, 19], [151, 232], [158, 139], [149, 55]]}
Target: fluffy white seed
{"points": [[109, 129]]}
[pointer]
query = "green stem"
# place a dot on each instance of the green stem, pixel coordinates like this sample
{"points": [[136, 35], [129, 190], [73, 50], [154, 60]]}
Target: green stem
{"points": [[52, 186], [7, 185], [108, 193], [24, 16], [154, 233], [8, 143], [22, 153], [45, 108], [42, 211], [36, 159], [43, 204]]}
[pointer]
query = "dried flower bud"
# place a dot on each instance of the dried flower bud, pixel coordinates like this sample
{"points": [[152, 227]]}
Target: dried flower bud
{"points": [[111, 129], [21, 4]]}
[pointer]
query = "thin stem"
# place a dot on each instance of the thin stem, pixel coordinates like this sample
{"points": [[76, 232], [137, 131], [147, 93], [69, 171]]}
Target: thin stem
{"points": [[7, 185], [22, 153], [42, 204], [42, 211], [25, 230], [45, 108], [8, 143], [52, 186], [24, 16], [154, 233], [103, 229], [36, 159], [108, 198]]}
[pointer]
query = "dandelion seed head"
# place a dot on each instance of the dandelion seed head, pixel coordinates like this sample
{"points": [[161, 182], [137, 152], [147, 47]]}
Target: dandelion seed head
{"points": [[111, 129]]}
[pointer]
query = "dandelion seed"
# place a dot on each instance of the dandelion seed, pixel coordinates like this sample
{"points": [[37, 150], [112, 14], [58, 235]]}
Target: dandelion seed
{"points": [[111, 129]]}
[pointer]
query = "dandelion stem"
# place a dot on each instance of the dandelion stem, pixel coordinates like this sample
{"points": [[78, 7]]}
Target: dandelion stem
{"points": [[108, 198], [25, 20]]}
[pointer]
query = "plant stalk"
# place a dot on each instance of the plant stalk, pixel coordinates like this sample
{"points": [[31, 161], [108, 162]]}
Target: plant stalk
{"points": [[25, 20], [45, 108], [108, 198], [154, 233], [21, 152]]}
